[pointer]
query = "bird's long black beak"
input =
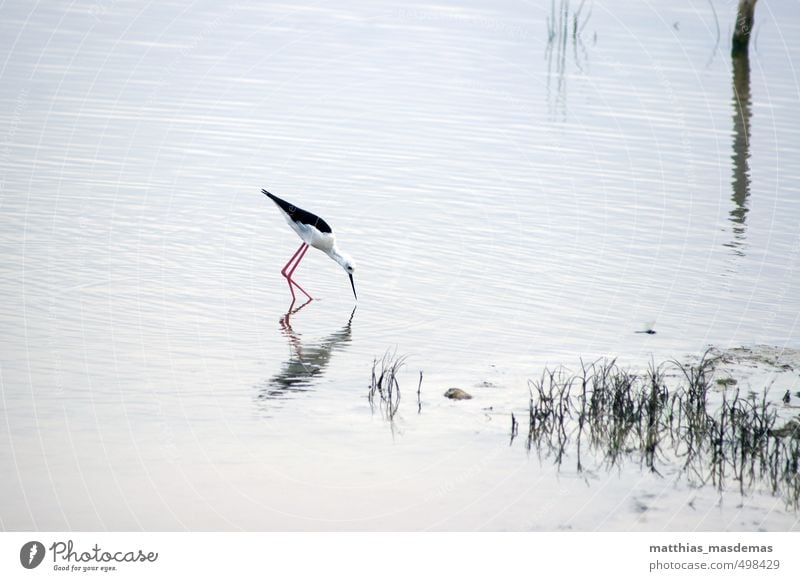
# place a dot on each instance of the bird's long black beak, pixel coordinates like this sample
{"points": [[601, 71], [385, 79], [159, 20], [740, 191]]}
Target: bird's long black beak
{"points": [[352, 284]]}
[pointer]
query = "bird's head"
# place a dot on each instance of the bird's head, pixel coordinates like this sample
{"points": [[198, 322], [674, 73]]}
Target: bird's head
{"points": [[349, 267]]}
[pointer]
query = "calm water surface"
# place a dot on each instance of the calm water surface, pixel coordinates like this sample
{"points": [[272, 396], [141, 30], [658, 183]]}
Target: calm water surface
{"points": [[511, 203]]}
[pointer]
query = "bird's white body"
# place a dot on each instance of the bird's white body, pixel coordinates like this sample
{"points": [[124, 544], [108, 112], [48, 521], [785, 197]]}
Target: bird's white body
{"points": [[325, 241]]}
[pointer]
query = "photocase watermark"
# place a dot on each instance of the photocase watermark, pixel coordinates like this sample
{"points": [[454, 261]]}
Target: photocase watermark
{"points": [[67, 558], [101, 8], [20, 106], [503, 27], [31, 554]]}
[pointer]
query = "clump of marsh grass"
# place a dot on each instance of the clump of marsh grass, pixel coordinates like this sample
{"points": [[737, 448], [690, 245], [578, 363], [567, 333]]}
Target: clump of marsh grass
{"points": [[384, 389], [613, 414]]}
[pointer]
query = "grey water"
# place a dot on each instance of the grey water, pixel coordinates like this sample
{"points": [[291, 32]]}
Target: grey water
{"points": [[514, 195]]}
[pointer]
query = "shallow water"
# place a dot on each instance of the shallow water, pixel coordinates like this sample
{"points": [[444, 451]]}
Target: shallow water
{"points": [[511, 203]]}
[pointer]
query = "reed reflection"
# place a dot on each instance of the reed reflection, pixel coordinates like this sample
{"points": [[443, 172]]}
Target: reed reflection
{"points": [[307, 360], [564, 28]]}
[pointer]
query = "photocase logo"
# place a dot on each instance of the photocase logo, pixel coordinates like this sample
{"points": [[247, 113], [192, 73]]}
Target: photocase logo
{"points": [[31, 554]]}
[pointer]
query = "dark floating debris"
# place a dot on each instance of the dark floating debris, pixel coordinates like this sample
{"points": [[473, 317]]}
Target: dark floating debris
{"points": [[486, 384], [457, 393]]}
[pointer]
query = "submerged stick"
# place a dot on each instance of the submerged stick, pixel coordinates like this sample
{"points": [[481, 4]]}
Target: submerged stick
{"points": [[419, 389], [514, 428]]}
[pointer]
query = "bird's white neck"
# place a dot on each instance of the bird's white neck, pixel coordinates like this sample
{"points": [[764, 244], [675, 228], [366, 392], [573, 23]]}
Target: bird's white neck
{"points": [[341, 258], [336, 255]]}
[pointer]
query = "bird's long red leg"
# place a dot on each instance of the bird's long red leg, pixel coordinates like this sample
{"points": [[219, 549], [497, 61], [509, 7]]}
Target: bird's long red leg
{"points": [[285, 269], [291, 260], [291, 272], [289, 268]]}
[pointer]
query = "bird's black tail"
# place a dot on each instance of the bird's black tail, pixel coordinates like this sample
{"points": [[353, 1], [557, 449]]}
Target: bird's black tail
{"points": [[275, 199], [282, 204]]}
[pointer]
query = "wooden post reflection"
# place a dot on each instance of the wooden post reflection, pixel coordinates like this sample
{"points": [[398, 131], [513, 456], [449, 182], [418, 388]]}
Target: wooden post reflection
{"points": [[741, 144]]}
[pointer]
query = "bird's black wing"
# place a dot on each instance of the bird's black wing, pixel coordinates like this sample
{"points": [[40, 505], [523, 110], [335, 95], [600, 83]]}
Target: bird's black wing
{"points": [[300, 215]]}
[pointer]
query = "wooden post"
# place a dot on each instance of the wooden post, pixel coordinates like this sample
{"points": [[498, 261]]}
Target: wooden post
{"points": [[743, 28]]}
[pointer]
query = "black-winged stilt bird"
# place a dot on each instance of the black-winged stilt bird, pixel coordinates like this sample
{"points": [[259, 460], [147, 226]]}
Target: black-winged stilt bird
{"points": [[313, 231]]}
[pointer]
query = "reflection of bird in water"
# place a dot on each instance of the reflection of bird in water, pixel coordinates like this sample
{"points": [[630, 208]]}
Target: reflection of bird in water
{"points": [[307, 361]]}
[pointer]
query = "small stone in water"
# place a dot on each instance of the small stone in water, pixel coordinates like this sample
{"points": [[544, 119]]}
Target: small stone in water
{"points": [[456, 393]]}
